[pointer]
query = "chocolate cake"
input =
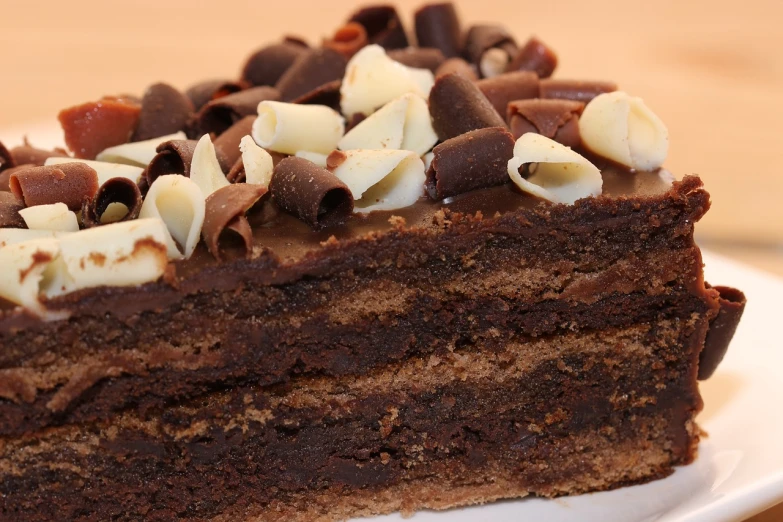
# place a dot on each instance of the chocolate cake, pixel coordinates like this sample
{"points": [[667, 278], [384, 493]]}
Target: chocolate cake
{"points": [[364, 277]]}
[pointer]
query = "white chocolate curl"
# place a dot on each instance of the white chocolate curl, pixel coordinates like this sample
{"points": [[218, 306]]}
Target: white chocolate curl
{"points": [[180, 204], [558, 174], [289, 127], [622, 128], [138, 153], [205, 168], [258, 162], [372, 79], [315, 157], [23, 270], [493, 62], [106, 171], [55, 217], [11, 236], [402, 124], [382, 179]]}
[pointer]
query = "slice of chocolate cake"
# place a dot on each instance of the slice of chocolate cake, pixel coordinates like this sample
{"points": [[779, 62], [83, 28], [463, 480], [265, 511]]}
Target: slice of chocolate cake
{"points": [[392, 278]]}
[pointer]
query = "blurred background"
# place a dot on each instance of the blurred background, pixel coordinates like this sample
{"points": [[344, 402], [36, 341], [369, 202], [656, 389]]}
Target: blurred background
{"points": [[711, 69]]}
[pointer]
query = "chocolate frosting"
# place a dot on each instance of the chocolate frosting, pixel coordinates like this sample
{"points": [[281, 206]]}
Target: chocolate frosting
{"points": [[69, 183], [383, 26], [576, 90], [535, 56], [311, 193], [418, 57], [115, 190], [482, 37], [474, 160], [267, 65], [313, 72], [722, 328], [508, 87], [164, 110], [226, 208], [457, 66], [555, 119], [173, 157], [26, 154], [227, 144], [6, 159], [203, 92], [458, 106], [9, 211], [219, 115], [437, 26], [95, 126], [347, 40]]}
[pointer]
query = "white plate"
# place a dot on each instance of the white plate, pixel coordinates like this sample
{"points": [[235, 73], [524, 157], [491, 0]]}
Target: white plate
{"points": [[739, 471]]}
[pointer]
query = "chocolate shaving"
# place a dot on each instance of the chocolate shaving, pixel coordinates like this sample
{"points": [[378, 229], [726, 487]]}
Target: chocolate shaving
{"points": [[173, 157], [477, 159], [226, 208], [311, 193], [227, 144], [508, 87], [26, 154], [164, 110], [482, 38], [68, 183], [534, 56], [219, 115], [555, 119], [95, 126], [457, 66], [296, 40], [347, 40], [437, 25], [204, 92], [309, 74], [458, 106], [267, 65], [383, 26], [420, 58], [576, 90], [9, 211], [115, 190], [6, 159], [722, 328]]}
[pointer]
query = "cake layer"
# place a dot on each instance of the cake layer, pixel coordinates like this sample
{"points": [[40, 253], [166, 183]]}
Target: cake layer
{"points": [[435, 422]]}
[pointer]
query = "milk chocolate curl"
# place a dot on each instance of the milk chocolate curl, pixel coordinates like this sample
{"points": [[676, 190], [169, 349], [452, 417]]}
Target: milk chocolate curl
{"points": [[457, 66], [5, 176], [164, 110], [313, 73], [115, 191], [508, 87], [9, 211], [94, 126], [437, 25], [419, 58], [204, 92], [311, 193], [383, 26], [267, 65], [458, 106], [347, 40], [173, 157], [219, 115], [582, 91], [555, 119], [68, 183], [227, 144], [474, 160], [225, 208], [6, 159], [534, 56], [482, 38], [26, 154], [732, 305]]}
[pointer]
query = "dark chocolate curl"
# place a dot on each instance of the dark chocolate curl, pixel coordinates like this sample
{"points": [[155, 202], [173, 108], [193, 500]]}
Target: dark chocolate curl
{"points": [[722, 327], [26, 154], [458, 106], [173, 157], [437, 25], [482, 38], [219, 115], [383, 26], [227, 144], [457, 66], [69, 183], [267, 65], [95, 126], [508, 87], [347, 40], [576, 90], [115, 190], [226, 207], [309, 73], [534, 56], [6, 159], [164, 110], [311, 193], [555, 119], [474, 160], [204, 92], [419, 58], [9, 211]]}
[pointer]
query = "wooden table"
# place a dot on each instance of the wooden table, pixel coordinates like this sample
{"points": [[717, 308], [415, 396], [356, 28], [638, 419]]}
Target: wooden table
{"points": [[710, 68]]}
